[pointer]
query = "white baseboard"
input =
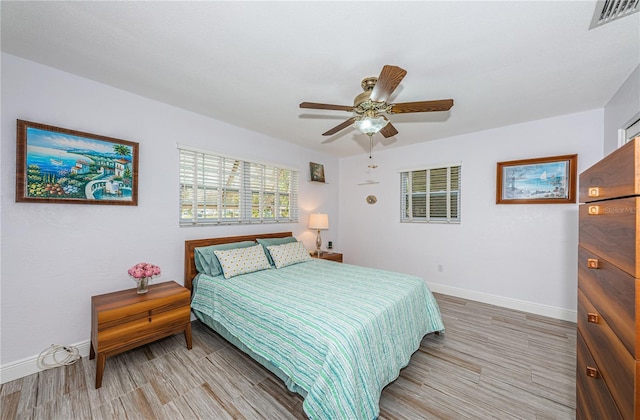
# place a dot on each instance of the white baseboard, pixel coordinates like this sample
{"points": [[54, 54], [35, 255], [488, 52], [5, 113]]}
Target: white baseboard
{"points": [[519, 305], [29, 366]]}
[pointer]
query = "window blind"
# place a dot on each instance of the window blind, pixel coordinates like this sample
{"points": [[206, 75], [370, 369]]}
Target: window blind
{"points": [[431, 195], [225, 190]]}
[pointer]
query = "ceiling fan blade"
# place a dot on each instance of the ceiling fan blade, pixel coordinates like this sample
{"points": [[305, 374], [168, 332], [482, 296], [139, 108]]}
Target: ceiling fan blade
{"points": [[339, 127], [314, 105], [389, 79], [422, 106], [388, 130]]}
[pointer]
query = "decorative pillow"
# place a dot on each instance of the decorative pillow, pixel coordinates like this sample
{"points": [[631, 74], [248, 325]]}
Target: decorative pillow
{"points": [[207, 262], [288, 254], [274, 241], [242, 260]]}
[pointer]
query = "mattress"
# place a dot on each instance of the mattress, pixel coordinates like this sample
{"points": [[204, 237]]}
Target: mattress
{"points": [[335, 333]]}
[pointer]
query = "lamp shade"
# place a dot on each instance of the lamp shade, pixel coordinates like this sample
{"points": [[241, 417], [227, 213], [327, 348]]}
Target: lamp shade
{"points": [[369, 125], [319, 221]]}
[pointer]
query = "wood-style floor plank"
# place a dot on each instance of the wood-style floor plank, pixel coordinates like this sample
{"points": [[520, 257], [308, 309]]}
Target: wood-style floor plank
{"points": [[491, 363]]}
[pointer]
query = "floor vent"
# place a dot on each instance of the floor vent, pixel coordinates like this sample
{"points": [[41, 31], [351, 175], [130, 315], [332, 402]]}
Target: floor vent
{"points": [[610, 10]]}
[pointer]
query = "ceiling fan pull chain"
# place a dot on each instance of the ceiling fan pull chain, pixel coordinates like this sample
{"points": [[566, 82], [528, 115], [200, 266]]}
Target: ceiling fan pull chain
{"points": [[370, 144], [371, 164]]}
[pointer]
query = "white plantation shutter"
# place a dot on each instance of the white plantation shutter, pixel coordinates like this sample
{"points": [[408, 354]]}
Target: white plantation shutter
{"points": [[431, 195], [270, 193], [454, 193], [418, 193], [224, 190]]}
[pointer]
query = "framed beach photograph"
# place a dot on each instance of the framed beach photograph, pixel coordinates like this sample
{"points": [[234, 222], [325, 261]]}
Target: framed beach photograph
{"points": [[317, 172], [57, 165], [550, 180]]}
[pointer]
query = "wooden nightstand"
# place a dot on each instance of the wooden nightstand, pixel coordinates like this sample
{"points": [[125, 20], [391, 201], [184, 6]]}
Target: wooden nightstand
{"points": [[331, 256], [124, 320]]}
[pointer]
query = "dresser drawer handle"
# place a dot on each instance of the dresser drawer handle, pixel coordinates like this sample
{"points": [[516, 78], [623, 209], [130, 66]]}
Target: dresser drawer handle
{"points": [[593, 317], [592, 372], [594, 192], [594, 210], [593, 263]]}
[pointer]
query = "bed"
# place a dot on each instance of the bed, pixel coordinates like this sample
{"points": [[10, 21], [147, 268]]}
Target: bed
{"points": [[334, 333]]}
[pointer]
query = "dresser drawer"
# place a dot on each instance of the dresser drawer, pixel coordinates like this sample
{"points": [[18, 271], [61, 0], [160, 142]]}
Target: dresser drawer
{"points": [[613, 293], [608, 229], [615, 364], [617, 175], [594, 401]]}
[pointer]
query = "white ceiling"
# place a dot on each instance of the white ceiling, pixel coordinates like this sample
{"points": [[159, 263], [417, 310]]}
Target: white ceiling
{"points": [[252, 63]]}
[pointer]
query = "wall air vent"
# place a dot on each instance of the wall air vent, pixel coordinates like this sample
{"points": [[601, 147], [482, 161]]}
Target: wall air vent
{"points": [[610, 10]]}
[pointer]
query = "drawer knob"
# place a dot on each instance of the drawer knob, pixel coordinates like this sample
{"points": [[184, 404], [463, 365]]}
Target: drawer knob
{"points": [[594, 192], [594, 210], [593, 263], [592, 372], [593, 317]]}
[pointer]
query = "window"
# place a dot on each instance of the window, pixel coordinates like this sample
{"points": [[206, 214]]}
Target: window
{"points": [[217, 190], [630, 133], [431, 195]]}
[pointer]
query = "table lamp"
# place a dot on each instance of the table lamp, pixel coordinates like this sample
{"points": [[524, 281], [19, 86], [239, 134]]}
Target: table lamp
{"points": [[318, 221]]}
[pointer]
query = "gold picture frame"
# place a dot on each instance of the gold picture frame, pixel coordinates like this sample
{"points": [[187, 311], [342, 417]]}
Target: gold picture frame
{"points": [[548, 180], [58, 165]]}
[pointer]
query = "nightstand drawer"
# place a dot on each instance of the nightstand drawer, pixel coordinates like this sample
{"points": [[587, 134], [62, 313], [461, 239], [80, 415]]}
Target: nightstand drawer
{"points": [[140, 328], [329, 256], [141, 310]]}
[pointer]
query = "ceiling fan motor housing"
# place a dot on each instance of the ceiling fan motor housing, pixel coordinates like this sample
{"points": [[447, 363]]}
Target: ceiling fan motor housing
{"points": [[363, 105]]}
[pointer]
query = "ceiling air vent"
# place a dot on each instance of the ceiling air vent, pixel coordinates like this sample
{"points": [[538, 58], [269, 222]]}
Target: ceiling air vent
{"points": [[610, 10]]}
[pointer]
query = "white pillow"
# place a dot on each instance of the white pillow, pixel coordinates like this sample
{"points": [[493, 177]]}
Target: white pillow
{"points": [[287, 254], [242, 260]]}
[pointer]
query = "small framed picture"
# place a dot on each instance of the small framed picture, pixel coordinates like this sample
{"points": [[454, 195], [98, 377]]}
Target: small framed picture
{"points": [[58, 165], [549, 180], [317, 172]]}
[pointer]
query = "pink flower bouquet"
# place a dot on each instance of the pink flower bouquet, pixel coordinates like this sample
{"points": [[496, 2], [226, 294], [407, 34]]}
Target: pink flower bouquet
{"points": [[144, 271]]}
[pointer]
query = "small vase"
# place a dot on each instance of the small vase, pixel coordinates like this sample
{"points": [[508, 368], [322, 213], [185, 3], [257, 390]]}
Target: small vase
{"points": [[143, 285]]}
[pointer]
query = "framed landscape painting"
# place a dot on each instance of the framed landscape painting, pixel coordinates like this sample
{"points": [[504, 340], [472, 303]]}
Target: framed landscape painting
{"points": [[550, 180], [57, 165]]}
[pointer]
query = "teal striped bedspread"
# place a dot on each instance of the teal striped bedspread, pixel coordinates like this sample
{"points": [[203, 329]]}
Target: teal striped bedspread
{"points": [[339, 332]]}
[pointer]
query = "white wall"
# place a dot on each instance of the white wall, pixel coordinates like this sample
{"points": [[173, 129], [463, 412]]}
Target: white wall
{"points": [[522, 256], [623, 107], [56, 256]]}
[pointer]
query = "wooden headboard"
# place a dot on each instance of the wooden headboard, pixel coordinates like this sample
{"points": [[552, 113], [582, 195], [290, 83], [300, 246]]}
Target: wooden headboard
{"points": [[189, 246]]}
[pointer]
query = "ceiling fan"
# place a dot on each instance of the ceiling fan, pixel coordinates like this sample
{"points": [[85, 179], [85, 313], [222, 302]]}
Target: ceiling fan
{"points": [[369, 106]]}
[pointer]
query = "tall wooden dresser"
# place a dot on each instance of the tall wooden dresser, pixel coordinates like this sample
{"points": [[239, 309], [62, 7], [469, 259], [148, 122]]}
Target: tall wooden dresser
{"points": [[608, 349]]}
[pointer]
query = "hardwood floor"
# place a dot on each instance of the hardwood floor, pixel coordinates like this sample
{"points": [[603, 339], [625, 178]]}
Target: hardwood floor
{"points": [[491, 363]]}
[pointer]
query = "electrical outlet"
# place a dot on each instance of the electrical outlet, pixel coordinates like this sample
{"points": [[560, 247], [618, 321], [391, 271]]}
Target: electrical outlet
{"points": [[440, 268]]}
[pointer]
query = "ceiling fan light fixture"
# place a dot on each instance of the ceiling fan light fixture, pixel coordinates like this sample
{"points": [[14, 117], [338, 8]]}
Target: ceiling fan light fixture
{"points": [[370, 125]]}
